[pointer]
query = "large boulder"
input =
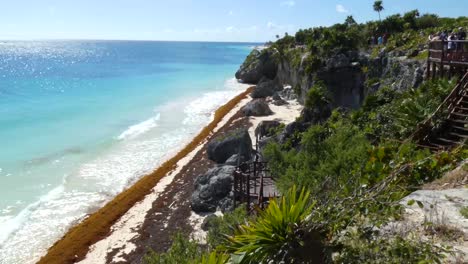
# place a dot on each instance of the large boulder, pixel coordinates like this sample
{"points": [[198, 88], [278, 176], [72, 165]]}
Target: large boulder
{"points": [[266, 87], [220, 149], [266, 128], [213, 190], [257, 107], [235, 159], [259, 63]]}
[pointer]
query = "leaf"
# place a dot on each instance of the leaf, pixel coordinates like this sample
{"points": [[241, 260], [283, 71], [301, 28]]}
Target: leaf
{"points": [[420, 204], [411, 202]]}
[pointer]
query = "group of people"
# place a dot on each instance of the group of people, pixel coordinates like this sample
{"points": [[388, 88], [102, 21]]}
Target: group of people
{"points": [[380, 40], [450, 37]]}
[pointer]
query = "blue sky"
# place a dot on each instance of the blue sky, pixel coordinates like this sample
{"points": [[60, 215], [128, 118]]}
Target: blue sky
{"points": [[201, 20]]}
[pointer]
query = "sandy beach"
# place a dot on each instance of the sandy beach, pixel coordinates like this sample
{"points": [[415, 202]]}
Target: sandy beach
{"points": [[150, 212]]}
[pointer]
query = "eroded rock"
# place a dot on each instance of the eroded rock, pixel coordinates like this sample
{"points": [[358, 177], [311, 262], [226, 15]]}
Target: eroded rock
{"points": [[213, 190]]}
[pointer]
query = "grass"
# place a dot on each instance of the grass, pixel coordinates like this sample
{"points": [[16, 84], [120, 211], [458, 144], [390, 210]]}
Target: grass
{"points": [[464, 211], [75, 244]]}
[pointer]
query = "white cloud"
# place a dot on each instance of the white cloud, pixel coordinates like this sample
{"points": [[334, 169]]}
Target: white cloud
{"points": [[289, 3], [230, 13], [231, 29], [341, 9], [271, 25]]}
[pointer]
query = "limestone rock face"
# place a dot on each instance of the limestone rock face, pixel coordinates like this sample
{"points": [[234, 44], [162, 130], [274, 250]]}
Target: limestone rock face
{"points": [[220, 149], [257, 65], [257, 107], [213, 190], [265, 128], [265, 88]]}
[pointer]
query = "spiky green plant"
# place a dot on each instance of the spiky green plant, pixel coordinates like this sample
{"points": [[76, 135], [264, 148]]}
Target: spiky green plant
{"points": [[215, 258], [276, 232]]}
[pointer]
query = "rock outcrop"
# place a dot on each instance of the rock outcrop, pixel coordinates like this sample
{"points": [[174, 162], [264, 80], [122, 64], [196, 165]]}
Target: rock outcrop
{"points": [[265, 88], [257, 107], [213, 190], [220, 149], [266, 128], [259, 64]]}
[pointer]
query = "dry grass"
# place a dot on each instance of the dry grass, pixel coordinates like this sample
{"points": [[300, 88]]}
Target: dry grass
{"points": [[436, 225], [453, 179], [76, 242]]}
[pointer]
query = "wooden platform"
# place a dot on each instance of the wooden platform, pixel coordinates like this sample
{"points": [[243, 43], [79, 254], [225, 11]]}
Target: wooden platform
{"points": [[444, 62], [253, 185]]}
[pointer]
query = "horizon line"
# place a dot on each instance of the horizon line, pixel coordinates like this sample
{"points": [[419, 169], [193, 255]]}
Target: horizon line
{"points": [[136, 40]]}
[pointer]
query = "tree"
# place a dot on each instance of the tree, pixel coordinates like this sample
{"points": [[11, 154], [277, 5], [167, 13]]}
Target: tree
{"points": [[378, 7], [349, 21], [277, 36]]}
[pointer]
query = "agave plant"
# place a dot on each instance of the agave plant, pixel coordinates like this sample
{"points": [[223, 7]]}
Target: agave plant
{"points": [[278, 233], [215, 258]]}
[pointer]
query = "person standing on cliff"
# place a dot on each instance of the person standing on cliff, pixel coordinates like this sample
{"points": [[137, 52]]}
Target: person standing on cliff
{"points": [[380, 40], [461, 36]]}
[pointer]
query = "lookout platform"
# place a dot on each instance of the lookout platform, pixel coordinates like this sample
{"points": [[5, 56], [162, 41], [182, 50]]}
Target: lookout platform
{"points": [[253, 185], [445, 62]]}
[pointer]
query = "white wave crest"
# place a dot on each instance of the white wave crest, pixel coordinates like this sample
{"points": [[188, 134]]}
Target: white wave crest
{"points": [[140, 128]]}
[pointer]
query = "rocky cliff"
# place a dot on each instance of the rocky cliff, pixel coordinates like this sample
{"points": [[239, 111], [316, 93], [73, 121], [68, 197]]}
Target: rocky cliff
{"points": [[349, 77]]}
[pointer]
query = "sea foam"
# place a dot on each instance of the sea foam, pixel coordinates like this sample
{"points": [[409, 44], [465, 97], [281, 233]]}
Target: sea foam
{"points": [[140, 128]]}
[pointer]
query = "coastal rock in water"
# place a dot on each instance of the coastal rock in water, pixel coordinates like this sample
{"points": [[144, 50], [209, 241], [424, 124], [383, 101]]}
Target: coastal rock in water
{"points": [[257, 107], [266, 87], [222, 148], [257, 65], [266, 128], [213, 189]]}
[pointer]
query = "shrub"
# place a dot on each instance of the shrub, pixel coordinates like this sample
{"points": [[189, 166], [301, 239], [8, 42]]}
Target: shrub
{"points": [[182, 251], [223, 226], [277, 234]]}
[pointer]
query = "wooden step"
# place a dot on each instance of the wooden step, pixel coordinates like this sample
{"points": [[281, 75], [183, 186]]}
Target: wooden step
{"points": [[461, 108], [460, 121], [460, 114], [460, 128], [435, 146], [458, 135], [448, 141]]}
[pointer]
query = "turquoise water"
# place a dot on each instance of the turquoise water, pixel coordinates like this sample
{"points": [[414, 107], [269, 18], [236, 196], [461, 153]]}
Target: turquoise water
{"points": [[82, 120]]}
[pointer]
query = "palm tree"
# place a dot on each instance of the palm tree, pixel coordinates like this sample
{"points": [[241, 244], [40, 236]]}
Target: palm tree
{"points": [[350, 21], [378, 7]]}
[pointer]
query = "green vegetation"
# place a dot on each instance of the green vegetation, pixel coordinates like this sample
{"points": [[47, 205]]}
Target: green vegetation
{"points": [[464, 211], [406, 33]]}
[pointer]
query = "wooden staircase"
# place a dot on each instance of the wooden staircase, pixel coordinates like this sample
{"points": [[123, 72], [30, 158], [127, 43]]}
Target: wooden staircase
{"points": [[453, 129]]}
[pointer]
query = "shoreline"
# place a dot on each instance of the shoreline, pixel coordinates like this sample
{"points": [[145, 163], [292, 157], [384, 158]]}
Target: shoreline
{"points": [[76, 242]]}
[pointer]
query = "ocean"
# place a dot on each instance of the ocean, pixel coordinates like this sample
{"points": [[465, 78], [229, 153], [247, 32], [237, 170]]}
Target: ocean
{"points": [[80, 121]]}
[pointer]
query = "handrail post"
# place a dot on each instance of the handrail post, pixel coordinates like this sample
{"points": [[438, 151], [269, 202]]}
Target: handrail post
{"points": [[442, 56]]}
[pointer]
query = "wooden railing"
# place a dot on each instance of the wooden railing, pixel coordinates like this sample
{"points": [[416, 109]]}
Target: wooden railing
{"points": [[439, 51], [424, 128]]}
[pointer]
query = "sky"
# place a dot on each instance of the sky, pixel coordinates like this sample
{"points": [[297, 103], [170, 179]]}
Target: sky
{"points": [[193, 20]]}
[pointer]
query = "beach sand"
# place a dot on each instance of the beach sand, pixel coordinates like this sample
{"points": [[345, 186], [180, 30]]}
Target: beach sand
{"points": [[149, 213]]}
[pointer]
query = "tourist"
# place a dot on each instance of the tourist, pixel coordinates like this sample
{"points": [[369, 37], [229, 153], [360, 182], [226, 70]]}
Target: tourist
{"points": [[436, 37], [461, 36], [443, 35], [452, 45], [380, 40], [461, 33]]}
